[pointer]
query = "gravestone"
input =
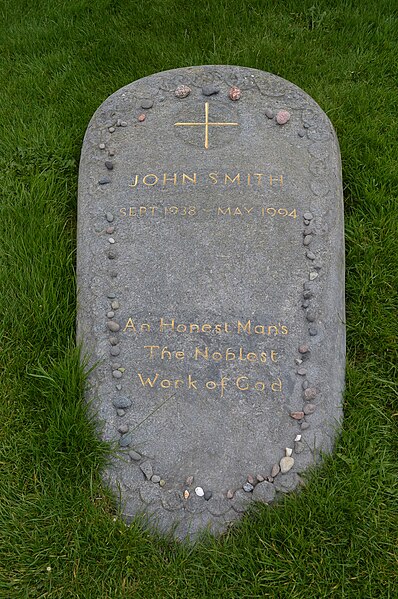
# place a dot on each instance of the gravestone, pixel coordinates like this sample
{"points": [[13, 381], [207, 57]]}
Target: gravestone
{"points": [[211, 290]]}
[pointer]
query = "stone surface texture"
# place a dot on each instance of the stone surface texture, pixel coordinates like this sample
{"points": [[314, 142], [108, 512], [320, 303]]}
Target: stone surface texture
{"points": [[209, 283]]}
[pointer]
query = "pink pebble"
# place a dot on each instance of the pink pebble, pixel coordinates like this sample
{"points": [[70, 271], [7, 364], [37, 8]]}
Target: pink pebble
{"points": [[282, 117], [141, 118], [234, 93]]}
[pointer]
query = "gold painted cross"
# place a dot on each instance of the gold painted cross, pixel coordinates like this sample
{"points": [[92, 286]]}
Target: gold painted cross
{"points": [[206, 125]]}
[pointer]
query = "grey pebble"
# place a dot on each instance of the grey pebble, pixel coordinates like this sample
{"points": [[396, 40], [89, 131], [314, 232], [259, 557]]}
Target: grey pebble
{"points": [[125, 440], [115, 305], [307, 240], [116, 366], [115, 351], [113, 326], [189, 480], [155, 478], [209, 90], [309, 408], [110, 314], [111, 152], [109, 165], [275, 470], [269, 113], [98, 229], [305, 304], [298, 446], [301, 133], [310, 315], [264, 492], [260, 478], [310, 393], [123, 428], [112, 255], [135, 456], [208, 495], [111, 295], [120, 412], [118, 387], [104, 181], [111, 129], [248, 487], [146, 468], [305, 384], [101, 146], [308, 231], [123, 124], [147, 103], [117, 374], [310, 255], [270, 479], [113, 273], [304, 426], [308, 294], [109, 217], [308, 215], [113, 340], [301, 371], [121, 402], [313, 331]]}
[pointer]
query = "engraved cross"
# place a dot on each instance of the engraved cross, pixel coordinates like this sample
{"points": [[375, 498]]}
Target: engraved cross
{"points": [[206, 125]]}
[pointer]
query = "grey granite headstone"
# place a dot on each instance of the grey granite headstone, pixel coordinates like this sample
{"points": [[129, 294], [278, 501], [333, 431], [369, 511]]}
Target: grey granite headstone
{"points": [[211, 290]]}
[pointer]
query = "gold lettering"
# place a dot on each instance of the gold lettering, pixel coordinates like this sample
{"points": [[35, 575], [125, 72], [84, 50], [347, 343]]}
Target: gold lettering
{"points": [[123, 211], [251, 357], [202, 354], [285, 330], [224, 211], [259, 176], [132, 211], [259, 329], [130, 325], [273, 328], [277, 386], [228, 178], [237, 212], [148, 380], [213, 177], [154, 182], [206, 328], [173, 178], [181, 328], [259, 386], [244, 328], [165, 384], [273, 356], [280, 178], [180, 355], [135, 181], [248, 210], [145, 327], [151, 350], [191, 382], [163, 325], [194, 328], [238, 383], [190, 179], [165, 353]]}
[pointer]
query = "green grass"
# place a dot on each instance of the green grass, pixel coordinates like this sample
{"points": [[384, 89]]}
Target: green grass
{"points": [[59, 61]]}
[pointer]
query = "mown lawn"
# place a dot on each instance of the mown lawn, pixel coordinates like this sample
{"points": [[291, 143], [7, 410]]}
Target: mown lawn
{"points": [[59, 532]]}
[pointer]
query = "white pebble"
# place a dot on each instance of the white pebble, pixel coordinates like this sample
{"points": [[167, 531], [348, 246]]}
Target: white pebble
{"points": [[297, 438], [313, 276], [286, 464], [199, 491], [111, 240], [288, 452]]}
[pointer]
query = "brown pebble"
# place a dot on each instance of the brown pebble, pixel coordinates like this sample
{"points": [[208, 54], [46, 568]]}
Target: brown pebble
{"points": [[189, 480], [110, 230], [250, 479], [260, 478], [310, 393], [309, 408], [275, 470], [297, 415], [234, 94], [182, 91], [230, 494], [304, 349], [142, 118], [186, 494]]}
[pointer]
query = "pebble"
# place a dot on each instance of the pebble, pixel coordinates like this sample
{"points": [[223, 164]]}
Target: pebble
{"points": [[122, 402], [305, 304], [125, 440], [297, 438], [250, 479], [305, 384], [304, 426], [310, 315], [209, 90], [248, 487], [110, 230], [260, 478], [306, 222], [286, 464], [304, 349], [307, 295], [310, 255], [186, 494], [109, 165], [282, 117], [101, 146], [308, 215], [297, 415], [122, 124], [269, 113], [104, 181], [135, 456], [298, 361], [117, 374], [310, 393], [275, 470], [162, 482], [147, 103], [111, 152], [118, 387], [313, 331], [182, 91], [307, 240], [230, 494], [288, 452], [146, 469], [298, 446], [199, 491], [234, 94], [156, 478], [110, 314], [115, 351], [111, 129], [123, 428], [308, 231], [111, 240], [313, 276], [111, 295], [120, 412], [113, 326], [309, 408], [208, 495], [115, 305], [112, 255], [113, 340], [301, 133], [109, 217], [270, 479], [264, 492], [301, 371]]}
